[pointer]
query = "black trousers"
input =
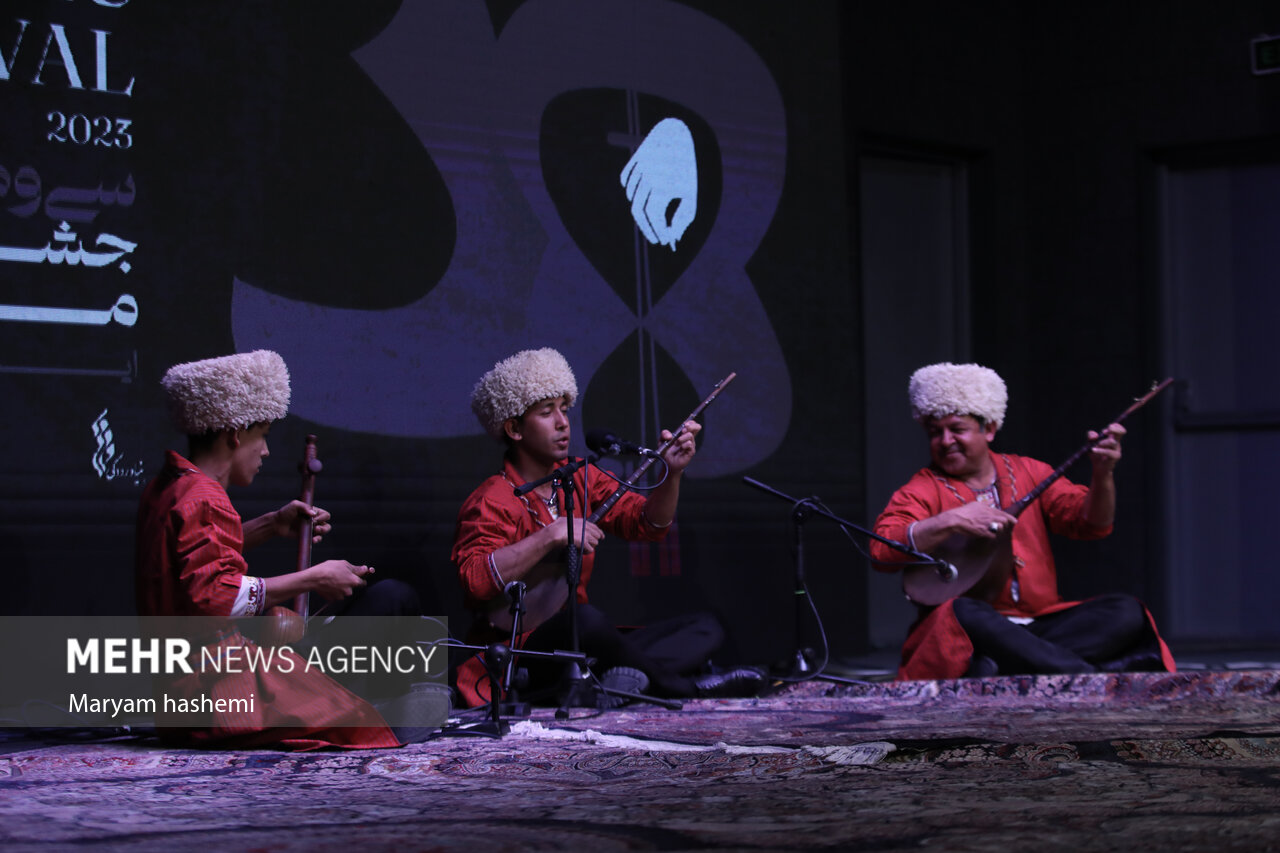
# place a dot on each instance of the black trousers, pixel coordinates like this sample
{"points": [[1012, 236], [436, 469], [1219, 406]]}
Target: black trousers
{"points": [[1103, 633], [667, 651]]}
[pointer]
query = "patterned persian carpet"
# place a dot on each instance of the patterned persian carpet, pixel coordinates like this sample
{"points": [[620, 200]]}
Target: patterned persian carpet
{"points": [[1146, 761]]}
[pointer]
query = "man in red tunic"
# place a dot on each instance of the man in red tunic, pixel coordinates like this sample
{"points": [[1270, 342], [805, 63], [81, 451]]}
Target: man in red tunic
{"points": [[503, 539], [190, 563], [1027, 627]]}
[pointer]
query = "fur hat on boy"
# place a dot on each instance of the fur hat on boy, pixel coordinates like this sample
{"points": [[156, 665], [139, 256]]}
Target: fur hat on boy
{"points": [[516, 383], [228, 392]]}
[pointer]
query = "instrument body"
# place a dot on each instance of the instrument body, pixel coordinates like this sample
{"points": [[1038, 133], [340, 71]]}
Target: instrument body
{"points": [[546, 590], [983, 566]]}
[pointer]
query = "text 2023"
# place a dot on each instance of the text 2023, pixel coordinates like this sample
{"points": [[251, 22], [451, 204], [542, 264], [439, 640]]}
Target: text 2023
{"points": [[80, 129]]}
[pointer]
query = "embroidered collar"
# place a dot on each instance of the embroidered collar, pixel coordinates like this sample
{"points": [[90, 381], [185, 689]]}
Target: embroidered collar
{"points": [[552, 504], [1010, 485]]}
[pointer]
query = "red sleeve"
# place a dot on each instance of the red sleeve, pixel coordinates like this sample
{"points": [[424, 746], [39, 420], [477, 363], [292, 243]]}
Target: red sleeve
{"points": [[916, 500], [207, 548], [1063, 504], [486, 523]]}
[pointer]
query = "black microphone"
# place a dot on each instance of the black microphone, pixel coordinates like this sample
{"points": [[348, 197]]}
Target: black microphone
{"points": [[607, 444], [514, 590]]}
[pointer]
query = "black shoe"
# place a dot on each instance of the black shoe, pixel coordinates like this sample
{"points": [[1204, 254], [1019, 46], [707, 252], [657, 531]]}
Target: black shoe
{"points": [[982, 667], [624, 679], [1140, 662], [740, 682]]}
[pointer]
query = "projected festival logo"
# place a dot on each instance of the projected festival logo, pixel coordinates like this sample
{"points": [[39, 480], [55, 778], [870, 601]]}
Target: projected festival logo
{"points": [[612, 167], [69, 326]]}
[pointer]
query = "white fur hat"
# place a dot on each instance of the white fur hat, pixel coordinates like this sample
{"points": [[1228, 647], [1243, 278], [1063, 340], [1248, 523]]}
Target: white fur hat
{"points": [[229, 392], [958, 389], [516, 383]]}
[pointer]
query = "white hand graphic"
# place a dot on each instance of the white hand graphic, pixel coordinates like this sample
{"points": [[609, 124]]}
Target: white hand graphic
{"points": [[663, 170], [365, 370]]}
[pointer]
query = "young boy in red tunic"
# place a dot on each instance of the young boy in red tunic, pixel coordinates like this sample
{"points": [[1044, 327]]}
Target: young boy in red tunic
{"points": [[190, 563], [504, 538]]}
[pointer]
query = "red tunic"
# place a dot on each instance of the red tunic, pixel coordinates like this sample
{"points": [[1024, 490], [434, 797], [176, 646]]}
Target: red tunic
{"points": [[936, 645], [189, 562], [493, 518]]}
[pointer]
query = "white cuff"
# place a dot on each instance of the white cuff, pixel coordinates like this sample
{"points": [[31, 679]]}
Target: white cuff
{"points": [[251, 598], [493, 571]]}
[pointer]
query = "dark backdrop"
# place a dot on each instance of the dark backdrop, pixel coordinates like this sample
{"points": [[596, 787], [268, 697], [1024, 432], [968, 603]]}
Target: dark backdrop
{"points": [[396, 195]]}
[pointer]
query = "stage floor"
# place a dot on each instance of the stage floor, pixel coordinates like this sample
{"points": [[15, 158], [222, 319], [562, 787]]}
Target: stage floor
{"points": [[1185, 761], [882, 665]]}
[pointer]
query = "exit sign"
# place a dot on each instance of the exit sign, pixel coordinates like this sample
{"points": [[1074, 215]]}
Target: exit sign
{"points": [[1265, 54]]}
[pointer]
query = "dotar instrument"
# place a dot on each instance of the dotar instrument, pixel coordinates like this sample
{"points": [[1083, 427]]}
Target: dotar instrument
{"points": [[978, 567], [286, 625], [546, 590]]}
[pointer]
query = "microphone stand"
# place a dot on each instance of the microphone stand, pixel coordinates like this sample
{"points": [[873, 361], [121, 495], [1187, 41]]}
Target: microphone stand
{"points": [[513, 707], [577, 679], [801, 511], [799, 515], [497, 656], [811, 509]]}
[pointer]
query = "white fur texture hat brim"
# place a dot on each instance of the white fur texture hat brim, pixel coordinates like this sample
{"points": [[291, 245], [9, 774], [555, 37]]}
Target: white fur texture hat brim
{"points": [[229, 392], [946, 389], [516, 383]]}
